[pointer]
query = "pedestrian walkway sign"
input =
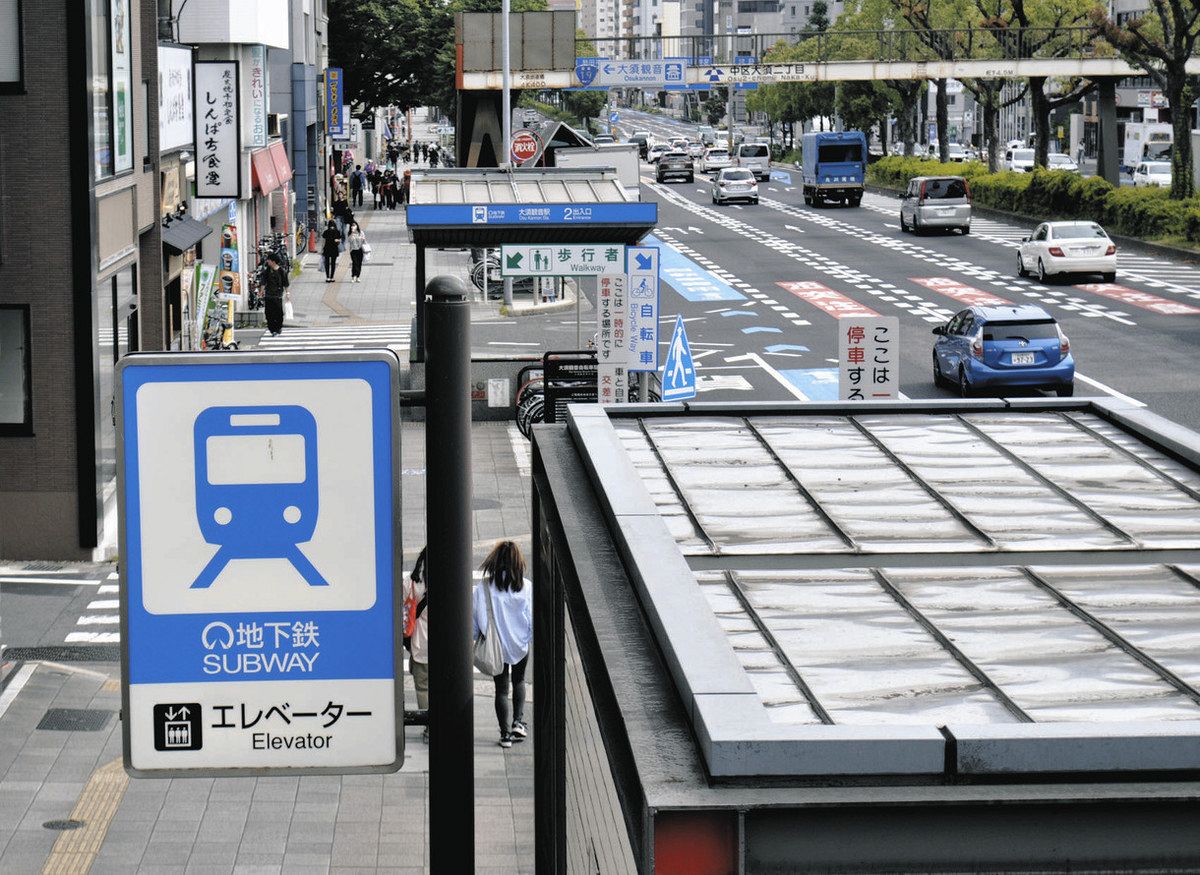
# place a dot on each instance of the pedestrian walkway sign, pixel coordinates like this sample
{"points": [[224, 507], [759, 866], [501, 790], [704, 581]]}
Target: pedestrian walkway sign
{"points": [[679, 372], [258, 501], [573, 259]]}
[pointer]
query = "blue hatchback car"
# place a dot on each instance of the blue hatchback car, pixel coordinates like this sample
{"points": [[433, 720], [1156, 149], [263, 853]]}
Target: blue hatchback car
{"points": [[989, 348]]}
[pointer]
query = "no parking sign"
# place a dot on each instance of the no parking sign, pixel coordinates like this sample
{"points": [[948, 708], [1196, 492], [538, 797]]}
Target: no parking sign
{"points": [[259, 563]]}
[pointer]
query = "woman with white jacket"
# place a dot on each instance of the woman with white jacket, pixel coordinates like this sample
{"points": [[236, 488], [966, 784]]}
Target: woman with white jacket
{"points": [[511, 594]]}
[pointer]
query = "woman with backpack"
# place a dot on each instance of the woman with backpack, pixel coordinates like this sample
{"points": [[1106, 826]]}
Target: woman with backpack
{"points": [[504, 599], [416, 633]]}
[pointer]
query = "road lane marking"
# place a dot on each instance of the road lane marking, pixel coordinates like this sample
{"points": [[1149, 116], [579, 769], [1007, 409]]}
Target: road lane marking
{"points": [[771, 372], [827, 300], [1145, 300], [960, 292], [1120, 396], [53, 581], [15, 686]]}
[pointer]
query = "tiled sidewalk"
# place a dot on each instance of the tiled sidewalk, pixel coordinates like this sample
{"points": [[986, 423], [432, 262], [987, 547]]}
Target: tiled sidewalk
{"points": [[370, 823]]}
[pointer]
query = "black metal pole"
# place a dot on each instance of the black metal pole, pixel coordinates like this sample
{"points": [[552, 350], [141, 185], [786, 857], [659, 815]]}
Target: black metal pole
{"points": [[418, 334], [448, 524]]}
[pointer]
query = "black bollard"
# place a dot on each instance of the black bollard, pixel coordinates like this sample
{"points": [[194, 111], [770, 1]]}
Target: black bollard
{"points": [[448, 524]]}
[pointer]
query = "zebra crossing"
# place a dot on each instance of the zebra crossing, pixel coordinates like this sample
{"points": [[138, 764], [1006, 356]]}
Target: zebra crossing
{"points": [[395, 336], [1149, 270]]}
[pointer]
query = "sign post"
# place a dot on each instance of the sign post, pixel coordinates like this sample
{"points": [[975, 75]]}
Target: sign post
{"points": [[868, 358], [525, 146], [259, 502]]}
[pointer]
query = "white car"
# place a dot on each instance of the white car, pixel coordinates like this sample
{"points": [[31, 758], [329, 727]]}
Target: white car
{"points": [[716, 158], [657, 151], [1152, 173], [1057, 248], [1059, 161], [696, 149], [735, 184], [1019, 160]]}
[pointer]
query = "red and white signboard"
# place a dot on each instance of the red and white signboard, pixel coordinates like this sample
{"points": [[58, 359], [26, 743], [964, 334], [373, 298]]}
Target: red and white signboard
{"points": [[868, 358], [525, 146], [1145, 300], [834, 303], [964, 294]]}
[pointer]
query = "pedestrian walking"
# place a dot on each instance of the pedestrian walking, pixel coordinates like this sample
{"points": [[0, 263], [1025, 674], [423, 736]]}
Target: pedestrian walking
{"points": [[504, 584], [275, 282], [356, 242], [376, 193], [406, 187], [358, 181], [433, 156], [330, 249], [424, 151], [416, 632]]}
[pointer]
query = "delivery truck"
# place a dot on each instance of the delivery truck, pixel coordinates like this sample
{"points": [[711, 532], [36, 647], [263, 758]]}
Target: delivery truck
{"points": [[833, 167]]}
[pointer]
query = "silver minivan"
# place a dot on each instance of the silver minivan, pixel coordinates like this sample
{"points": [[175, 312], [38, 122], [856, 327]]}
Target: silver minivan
{"points": [[936, 202], [755, 157]]}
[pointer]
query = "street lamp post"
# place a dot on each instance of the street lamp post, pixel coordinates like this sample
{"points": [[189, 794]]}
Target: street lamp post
{"points": [[505, 120]]}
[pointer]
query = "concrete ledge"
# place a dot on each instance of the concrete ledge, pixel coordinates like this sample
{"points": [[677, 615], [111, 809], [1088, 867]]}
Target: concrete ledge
{"points": [[1161, 250], [517, 311]]}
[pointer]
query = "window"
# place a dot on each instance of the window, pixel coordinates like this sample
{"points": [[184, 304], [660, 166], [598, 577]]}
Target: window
{"points": [[98, 67], [16, 396], [839, 153], [110, 69], [11, 54]]}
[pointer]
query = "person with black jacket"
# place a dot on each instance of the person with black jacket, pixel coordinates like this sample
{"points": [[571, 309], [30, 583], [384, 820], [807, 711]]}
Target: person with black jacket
{"points": [[275, 283], [330, 249]]}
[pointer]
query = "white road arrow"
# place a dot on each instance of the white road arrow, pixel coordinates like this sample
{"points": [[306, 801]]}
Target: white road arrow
{"points": [[774, 374], [674, 228], [694, 228], [794, 228]]}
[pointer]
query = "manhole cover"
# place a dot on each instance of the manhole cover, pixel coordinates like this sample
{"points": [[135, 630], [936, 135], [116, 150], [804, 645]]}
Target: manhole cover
{"points": [[485, 503], [74, 719], [62, 824], [66, 653]]}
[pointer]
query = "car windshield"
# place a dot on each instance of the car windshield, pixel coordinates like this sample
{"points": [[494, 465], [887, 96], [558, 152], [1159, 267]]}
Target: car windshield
{"points": [[1022, 155], [679, 155], [945, 188], [957, 149], [1158, 167], [718, 153], [1158, 150], [1077, 230], [1030, 329], [752, 152], [839, 153], [737, 175], [1060, 159]]}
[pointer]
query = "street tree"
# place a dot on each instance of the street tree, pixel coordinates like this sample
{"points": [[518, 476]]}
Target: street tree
{"points": [[716, 105], [819, 19], [1161, 42], [862, 104]]}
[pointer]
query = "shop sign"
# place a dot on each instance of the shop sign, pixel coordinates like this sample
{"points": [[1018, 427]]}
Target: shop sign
{"points": [[335, 96], [259, 500], [217, 129], [121, 54], [205, 274], [257, 90], [174, 98]]}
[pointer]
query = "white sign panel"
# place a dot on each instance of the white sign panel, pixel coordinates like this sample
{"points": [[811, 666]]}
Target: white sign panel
{"points": [[575, 259], [868, 357], [643, 290], [256, 92], [612, 384], [258, 508], [122, 86], [10, 41], [217, 129], [175, 130], [612, 321]]}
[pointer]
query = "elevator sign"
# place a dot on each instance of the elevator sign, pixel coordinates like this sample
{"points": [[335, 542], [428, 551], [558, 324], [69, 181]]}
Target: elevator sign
{"points": [[258, 504]]}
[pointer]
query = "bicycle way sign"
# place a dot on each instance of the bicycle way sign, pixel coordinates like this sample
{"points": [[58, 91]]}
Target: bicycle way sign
{"points": [[576, 259], [259, 502]]}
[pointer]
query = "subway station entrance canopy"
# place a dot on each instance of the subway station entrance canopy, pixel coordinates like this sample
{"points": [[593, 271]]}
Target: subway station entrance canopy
{"points": [[488, 207]]}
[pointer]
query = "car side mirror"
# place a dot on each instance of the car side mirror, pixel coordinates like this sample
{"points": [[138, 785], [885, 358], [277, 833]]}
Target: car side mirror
{"points": [[939, 329], [1025, 239]]}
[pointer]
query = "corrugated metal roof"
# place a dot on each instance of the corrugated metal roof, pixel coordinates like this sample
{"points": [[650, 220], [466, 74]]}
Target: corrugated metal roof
{"points": [[526, 186]]}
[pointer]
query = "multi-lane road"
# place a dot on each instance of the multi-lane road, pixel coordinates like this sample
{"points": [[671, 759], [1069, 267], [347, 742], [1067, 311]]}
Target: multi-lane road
{"points": [[761, 287]]}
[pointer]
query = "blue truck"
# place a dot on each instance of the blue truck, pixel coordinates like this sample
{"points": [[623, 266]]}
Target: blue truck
{"points": [[833, 167]]}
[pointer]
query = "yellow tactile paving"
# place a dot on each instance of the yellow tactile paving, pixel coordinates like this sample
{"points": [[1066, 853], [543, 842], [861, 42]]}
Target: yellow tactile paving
{"points": [[76, 849]]}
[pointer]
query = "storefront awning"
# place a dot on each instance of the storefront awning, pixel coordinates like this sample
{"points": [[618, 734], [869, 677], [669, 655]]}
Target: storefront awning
{"points": [[183, 233], [263, 171], [476, 207], [283, 167]]}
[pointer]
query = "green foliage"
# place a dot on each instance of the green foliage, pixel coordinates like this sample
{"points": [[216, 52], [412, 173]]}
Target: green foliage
{"points": [[1146, 213], [585, 105], [819, 19], [715, 105], [862, 104]]}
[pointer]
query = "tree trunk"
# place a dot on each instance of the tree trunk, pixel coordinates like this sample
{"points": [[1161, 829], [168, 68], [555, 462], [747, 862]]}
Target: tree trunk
{"points": [[1179, 97], [943, 122], [1041, 120], [883, 135]]}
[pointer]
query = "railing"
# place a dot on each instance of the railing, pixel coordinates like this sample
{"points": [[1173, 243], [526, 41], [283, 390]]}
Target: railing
{"points": [[896, 44]]}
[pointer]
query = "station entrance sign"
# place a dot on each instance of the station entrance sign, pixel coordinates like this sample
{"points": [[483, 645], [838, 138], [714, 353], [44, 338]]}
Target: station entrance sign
{"points": [[259, 498]]}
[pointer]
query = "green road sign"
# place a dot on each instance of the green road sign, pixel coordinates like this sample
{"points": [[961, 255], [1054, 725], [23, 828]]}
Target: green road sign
{"points": [[575, 259]]}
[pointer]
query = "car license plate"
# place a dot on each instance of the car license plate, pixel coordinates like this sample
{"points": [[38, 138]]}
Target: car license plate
{"points": [[1022, 358], [946, 211]]}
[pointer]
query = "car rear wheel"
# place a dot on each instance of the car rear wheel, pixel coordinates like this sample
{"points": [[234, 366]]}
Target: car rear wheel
{"points": [[965, 230], [691, 177], [1065, 391], [1109, 277], [854, 201], [916, 226], [964, 386]]}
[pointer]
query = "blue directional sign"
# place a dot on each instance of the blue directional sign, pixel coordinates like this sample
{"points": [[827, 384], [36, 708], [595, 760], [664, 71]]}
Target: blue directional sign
{"points": [[614, 117], [586, 71], [642, 291], [258, 500], [679, 372], [616, 73], [533, 214], [744, 60]]}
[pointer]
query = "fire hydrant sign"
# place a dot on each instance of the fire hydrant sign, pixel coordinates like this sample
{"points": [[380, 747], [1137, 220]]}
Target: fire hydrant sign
{"points": [[868, 358], [258, 501], [525, 146]]}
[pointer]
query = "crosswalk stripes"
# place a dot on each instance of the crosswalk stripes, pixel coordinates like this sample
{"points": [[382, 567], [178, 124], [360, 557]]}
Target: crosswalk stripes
{"points": [[100, 622], [338, 337]]}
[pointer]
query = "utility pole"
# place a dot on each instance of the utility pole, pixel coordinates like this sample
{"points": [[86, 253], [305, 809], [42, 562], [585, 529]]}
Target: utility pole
{"points": [[505, 123]]}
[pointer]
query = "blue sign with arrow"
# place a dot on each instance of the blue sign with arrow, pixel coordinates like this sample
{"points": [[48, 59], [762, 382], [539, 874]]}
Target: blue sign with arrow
{"points": [[679, 372]]}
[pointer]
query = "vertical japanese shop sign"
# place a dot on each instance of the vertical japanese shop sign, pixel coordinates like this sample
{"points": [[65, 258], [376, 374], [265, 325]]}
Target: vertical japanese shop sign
{"points": [[122, 83], [335, 96], [869, 358], [218, 133], [259, 505], [175, 125], [257, 91]]}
